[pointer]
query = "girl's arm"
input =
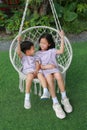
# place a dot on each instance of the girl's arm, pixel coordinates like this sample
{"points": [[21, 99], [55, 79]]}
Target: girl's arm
{"points": [[37, 66], [49, 66], [61, 50], [19, 48]]}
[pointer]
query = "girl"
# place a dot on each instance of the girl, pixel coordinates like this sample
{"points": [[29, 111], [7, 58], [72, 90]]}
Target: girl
{"points": [[31, 69], [47, 55]]}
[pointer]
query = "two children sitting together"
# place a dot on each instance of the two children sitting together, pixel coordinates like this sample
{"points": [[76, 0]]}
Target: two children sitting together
{"points": [[44, 66]]}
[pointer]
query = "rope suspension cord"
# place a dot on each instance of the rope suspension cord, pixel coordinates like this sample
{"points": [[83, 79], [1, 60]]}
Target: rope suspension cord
{"points": [[58, 26], [23, 18], [22, 23]]}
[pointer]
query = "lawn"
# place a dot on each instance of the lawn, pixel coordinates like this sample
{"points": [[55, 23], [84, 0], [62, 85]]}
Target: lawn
{"points": [[13, 116]]}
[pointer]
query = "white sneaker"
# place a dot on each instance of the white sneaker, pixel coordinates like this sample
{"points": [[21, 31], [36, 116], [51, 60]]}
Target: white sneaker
{"points": [[67, 105], [59, 111], [45, 95], [27, 104]]}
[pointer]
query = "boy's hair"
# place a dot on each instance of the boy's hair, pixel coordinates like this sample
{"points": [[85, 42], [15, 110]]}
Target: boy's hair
{"points": [[26, 45], [49, 39]]}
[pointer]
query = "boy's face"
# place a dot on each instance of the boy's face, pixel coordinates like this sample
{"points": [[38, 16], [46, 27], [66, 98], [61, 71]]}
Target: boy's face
{"points": [[31, 51]]}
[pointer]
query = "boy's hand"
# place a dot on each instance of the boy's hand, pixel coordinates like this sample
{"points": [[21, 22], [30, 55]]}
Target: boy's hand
{"points": [[19, 38], [35, 73]]}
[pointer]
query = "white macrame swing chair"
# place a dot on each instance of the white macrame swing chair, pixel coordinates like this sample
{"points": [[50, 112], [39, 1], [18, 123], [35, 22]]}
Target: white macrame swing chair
{"points": [[34, 33]]}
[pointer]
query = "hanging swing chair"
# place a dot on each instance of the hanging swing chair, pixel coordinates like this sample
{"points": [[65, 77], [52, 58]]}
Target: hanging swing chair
{"points": [[34, 33]]}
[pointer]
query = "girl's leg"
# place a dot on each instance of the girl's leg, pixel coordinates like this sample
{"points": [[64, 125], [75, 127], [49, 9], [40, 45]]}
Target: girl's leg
{"points": [[50, 81], [56, 106], [65, 100], [44, 85], [29, 79], [61, 85]]}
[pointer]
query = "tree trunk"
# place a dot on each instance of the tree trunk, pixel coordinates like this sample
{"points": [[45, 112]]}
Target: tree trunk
{"points": [[43, 7]]}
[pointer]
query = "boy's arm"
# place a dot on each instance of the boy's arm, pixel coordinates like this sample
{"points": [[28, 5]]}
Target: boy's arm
{"points": [[19, 48], [61, 50]]}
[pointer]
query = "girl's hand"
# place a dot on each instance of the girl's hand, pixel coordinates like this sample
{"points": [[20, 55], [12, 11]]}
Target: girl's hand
{"points": [[61, 33], [50, 66], [61, 49]]}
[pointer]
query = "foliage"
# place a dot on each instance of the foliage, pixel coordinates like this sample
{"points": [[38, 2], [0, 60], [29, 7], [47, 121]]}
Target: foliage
{"points": [[3, 5], [3, 18], [75, 26], [13, 23], [82, 10], [12, 1], [36, 20], [35, 2], [66, 13], [70, 13]]}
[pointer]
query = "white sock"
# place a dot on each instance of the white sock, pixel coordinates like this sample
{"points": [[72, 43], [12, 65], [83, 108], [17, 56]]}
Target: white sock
{"points": [[45, 90], [63, 94], [27, 96], [55, 100]]}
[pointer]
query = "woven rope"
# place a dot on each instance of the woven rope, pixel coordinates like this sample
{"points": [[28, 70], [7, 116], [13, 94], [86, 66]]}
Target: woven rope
{"points": [[33, 34]]}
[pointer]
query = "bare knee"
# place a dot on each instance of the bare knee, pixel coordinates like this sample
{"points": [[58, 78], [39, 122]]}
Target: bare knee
{"points": [[30, 76], [40, 75], [50, 79], [58, 77]]}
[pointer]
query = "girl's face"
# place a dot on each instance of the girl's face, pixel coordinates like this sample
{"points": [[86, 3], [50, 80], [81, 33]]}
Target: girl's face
{"points": [[44, 45], [31, 51]]}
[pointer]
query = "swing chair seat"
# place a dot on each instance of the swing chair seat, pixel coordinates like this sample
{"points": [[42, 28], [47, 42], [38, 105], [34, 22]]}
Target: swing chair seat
{"points": [[33, 34]]}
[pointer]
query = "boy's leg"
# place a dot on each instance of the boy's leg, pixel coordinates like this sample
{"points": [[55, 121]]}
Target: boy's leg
{"points": [[65, 100], [44, 85], [56, 106], [29, 78]]}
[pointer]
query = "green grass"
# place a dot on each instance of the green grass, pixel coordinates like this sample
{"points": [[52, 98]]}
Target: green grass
{"points": [[13, 116]]}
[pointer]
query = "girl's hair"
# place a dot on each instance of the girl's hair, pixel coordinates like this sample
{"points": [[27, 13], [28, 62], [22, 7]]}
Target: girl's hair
{"points": [[26, 45], [49, 39]]}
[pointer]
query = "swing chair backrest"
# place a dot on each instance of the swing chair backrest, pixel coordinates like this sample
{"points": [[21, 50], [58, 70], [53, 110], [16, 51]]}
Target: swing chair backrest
{"points": [[33, 34]]}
